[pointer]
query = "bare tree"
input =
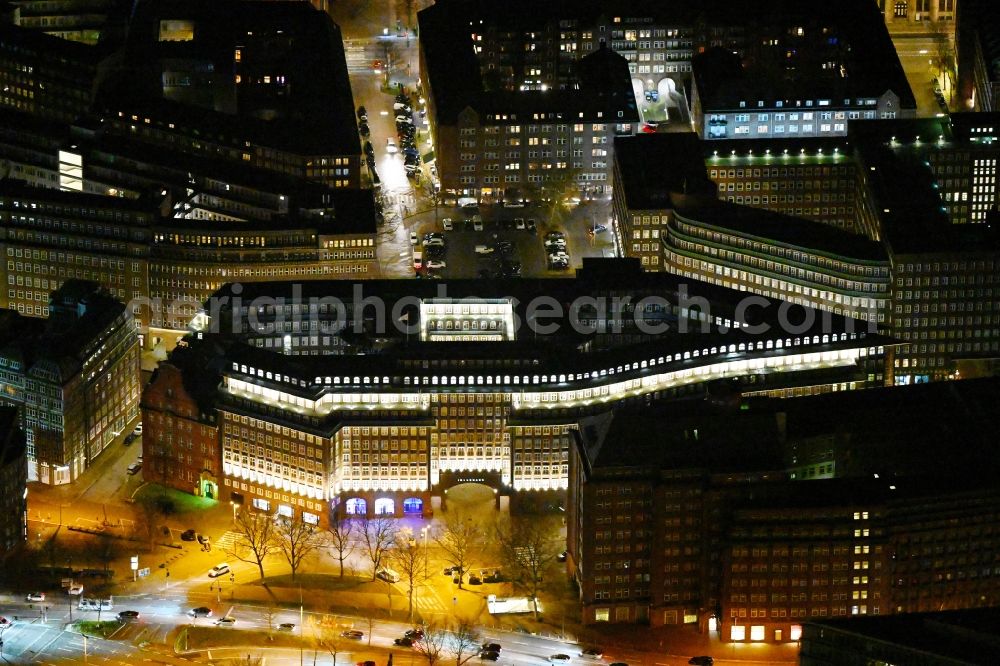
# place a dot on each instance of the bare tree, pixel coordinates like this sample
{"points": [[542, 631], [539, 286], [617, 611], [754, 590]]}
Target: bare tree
{"points": [[410, 559], [296, 541], [465, 641], [256, 538], [340, 534], [249, 660], [270, 614], [528, 549], [328, 638], [377, 536], [434, 645], [460, 539]]}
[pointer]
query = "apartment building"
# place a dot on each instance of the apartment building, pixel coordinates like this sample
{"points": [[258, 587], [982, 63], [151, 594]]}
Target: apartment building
{"points": [[13, 481], [74, 377]]}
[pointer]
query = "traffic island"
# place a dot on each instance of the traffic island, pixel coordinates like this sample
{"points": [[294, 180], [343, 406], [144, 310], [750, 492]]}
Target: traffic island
{"points": [[93, 629]]}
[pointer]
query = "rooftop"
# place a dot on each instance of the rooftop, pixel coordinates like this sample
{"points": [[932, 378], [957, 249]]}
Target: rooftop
{"points": [[602, 86], [293, 91], [965, 636], [893, 155], [809, 236], [80, 312], [662, 170]]}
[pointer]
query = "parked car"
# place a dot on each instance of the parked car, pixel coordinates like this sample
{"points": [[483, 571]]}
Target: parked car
{"points": [[401, 106], [134, 468], [353, 634], [390, 146], [436, 264], [200, 611], [519, 223], [75, 589], [129, 438], [286, 626], [475, 580], [219, 570], [362, 112], [226, 621], [365, 663], [447, 224], [34, 596], [189, 535], [369, 149], [593, 653], [477, 222], [531, 225], [414, 239], [560, 658], [484, 250], [487, 655], [137, 430], [128, 616], [492, 647], [405, 641], [561, 557], [364, 130], [703, 660], [415, 634]]}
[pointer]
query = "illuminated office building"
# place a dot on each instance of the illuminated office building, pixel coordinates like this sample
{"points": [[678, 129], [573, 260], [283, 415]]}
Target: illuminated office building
{"points": [[324, 405]]}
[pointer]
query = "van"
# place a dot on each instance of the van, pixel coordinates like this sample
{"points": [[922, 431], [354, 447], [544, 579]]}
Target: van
{"points": [[388, 575], [467, 202]]}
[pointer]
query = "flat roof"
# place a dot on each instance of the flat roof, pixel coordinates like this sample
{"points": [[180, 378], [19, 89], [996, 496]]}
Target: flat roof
{"points": [[966, 636], [809, 236], [313, 115], [659, 169]]}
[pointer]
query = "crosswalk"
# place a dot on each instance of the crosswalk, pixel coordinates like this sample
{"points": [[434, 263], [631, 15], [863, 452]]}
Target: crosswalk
{"points": [[357, 58], [226, 541], [428, 601]]}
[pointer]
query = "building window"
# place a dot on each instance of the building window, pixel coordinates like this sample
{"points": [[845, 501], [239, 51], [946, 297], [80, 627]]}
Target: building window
{"points": [[737, 632], [602, 614], [261, 504]]}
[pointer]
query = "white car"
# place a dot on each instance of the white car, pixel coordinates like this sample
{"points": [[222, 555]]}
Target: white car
{"points": [[477, 222], [414, 238], [435, 264], [138, 430], [75, 589], [35, 596], [219, 570], [447, 224], [390, 146], [484, 249], [519, 223], [134, 468]]}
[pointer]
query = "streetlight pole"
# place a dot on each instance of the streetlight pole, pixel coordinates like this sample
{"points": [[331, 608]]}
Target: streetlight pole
{"points": [[301, 624]]}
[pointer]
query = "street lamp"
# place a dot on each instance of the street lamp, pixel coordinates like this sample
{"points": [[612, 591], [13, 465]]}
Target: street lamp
{"points": [[425, 530]]}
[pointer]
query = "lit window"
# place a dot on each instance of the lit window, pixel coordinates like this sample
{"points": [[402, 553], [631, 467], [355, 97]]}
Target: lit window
{"points": [[737, 632]]}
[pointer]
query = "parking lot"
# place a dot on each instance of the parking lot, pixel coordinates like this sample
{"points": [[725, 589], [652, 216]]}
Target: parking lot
{"points": [[528, 249]]}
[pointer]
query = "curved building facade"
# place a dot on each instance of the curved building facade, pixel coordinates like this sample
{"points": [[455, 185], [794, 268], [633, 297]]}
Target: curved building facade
{"points": [[769, 254]]}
